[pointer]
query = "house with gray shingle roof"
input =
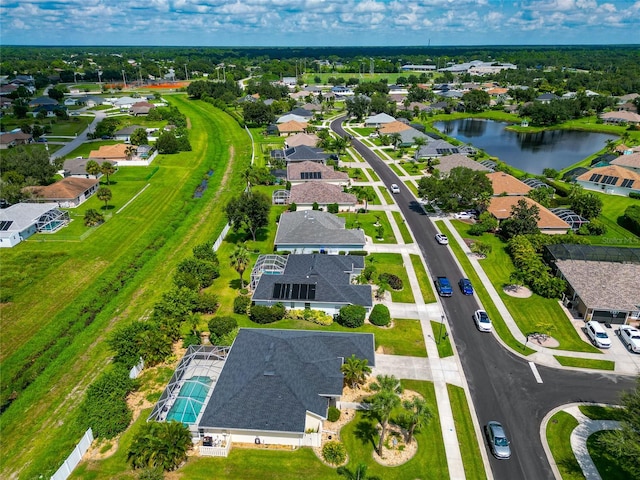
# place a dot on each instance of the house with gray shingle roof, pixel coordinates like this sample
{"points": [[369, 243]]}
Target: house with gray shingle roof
{"points": [[309, 231], [440, 148], [302, 172], [378, 120], [306, 194], [276, 385], [300, 153], [449, 162]]}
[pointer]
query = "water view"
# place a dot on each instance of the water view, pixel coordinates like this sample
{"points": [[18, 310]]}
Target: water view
{"points": [[532, 152]]}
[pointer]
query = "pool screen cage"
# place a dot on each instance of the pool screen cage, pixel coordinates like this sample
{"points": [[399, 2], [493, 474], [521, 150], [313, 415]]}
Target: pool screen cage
{"points": [[271, 264], [52, 220], [591, 253], [200, 361]]}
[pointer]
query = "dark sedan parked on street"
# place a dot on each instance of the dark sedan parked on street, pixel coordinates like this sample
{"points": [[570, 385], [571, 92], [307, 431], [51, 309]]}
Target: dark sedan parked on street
{"points": [[465, 286]]}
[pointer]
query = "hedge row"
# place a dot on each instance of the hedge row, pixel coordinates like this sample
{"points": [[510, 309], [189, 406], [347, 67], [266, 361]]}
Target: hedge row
{"points": [[631, 219], [532, 271]]}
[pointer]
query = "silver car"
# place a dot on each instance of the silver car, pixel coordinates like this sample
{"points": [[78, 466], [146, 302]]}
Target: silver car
{"points": [[498, 441], [630, 336]]}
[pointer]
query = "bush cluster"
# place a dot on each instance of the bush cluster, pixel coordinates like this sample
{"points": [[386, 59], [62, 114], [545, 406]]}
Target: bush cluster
{"points": [[262, 314], [594, 227], [392, 280], [380, 315], [316, 316], [220, 326], [352, 316], [334, 414], [334, 453], [634, 195], [631, 219], [241, 304], [531, 269], [333, 208]]}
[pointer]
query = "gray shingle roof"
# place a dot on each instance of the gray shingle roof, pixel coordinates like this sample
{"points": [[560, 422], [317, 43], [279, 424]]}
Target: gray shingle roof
{"points": [[315, 228], [329, 273], [449, 162], [271, 378], [296, 169]]}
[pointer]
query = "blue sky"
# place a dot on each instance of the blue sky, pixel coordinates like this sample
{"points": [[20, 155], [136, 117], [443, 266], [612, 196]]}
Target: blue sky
{"points": [[319, 22]]}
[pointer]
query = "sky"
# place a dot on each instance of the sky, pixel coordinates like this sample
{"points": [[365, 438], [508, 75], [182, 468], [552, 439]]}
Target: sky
{"points": [[319, 22]]}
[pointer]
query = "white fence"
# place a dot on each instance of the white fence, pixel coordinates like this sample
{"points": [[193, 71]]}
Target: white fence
{"points": [[216, 451], [72, 460], [311, 440], [135, 371], [223, 234]]}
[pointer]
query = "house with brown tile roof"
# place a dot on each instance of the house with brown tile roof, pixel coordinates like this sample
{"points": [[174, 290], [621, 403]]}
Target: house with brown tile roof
{"points": [[301, 172], [449, 162], [111, 152], [611, 179], [8, 140], [307, 139], [393, 127], [68, 192], [293, 126], [505, 184], [621, 117], [141, 108], [500, 208], [631, 162], [304, 195]]}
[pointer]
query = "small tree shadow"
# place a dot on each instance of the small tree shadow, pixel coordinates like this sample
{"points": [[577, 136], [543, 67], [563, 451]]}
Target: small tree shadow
{"points": [[107, 207], [235, 284], [366, 432]]}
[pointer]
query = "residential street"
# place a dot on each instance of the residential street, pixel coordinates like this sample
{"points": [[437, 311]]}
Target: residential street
{"points": [[502, 384]]}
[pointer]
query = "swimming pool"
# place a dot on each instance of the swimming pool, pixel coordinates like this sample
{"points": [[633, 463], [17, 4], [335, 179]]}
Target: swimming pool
{"points": [[188, 404]]}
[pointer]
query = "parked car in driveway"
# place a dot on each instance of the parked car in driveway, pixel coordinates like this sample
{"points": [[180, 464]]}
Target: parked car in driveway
{"points": [[597, 334], [483, 322], [498, 441], [465, 286], [463, 215], [442, 239], [630, 336]]}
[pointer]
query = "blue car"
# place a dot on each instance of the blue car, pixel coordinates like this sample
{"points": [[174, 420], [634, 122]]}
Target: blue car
{"points": [[465, 286]]}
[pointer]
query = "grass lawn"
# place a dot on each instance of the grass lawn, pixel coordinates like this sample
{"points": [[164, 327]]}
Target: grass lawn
{"points": [[414, 168], [426, 288], [404, 230], [496, 319], [471, 458], [533, 314], [359, 436], [392, 263], [50, 352], [71, 127], [85, 149], [373, 174], [387, 196], [442, 339], [586, 363], [357, 174], [558, 433], [397, 170], [596, 412], [367, 222], [607, 465], [413, 187], [613, 207]]}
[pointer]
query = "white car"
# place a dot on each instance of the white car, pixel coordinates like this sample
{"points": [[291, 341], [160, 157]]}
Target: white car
{"points": [[442, 239], [483, 322], [463, 216], [394, 188], [597, 334], [630, 336]]}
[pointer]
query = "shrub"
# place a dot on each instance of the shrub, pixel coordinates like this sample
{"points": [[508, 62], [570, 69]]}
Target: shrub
{"points": [[241, 304], [359, 253], [392, 280], [352, 316], [191, 339], [631, 219], [481, 248], [380, 315], [334, 414], [315, 206], [369, 273], [293, 207], [635, 195], [316, 316], [532, 270], [334, 453], [262, 314], [333, 208], [219, 326]]}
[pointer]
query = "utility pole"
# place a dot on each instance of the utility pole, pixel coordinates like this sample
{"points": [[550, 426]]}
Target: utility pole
{"points": [[186, 75], [124, 79]]}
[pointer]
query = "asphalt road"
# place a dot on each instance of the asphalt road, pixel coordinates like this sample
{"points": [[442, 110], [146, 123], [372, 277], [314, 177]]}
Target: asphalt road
{"points": [[502, 385]]}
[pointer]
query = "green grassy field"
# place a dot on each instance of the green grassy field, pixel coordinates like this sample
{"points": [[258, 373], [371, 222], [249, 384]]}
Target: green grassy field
{"points": [[441, 335], [392, 263], [367, 222], [597, 412], [471, 458], [50, 351], [558, 432], [404, 230], [586, 363], [428, 295]]}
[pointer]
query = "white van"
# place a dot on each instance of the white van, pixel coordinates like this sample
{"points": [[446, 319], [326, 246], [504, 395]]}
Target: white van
{"points": [[596, 333]]}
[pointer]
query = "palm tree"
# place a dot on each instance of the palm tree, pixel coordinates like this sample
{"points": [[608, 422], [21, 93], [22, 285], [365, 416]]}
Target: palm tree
{"points": [[129, 152], [387, 383], [355, 371], [360, 473], [160, 444], [417, 414], [387, 398], [104, 195], [367, 195], [419, 142], [340, 144], [107, 169], [92, 218], [396, 138], [610, 146], [93, 168], [240, 260]]}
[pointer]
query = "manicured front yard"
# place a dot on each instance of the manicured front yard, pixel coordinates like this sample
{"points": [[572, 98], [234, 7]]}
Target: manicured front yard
{"points": [[392, 263], [585, 363], [558, 433], [368, 221]]}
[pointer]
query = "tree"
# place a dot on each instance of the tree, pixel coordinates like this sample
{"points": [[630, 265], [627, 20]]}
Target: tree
{"points": [[92, 218], [250, 210], [417, 415], [587, 205], [93, 168], [360, 473], [355, 371], [107, 169], [139, 137], [257, 113], [104, 195], [523, 220], [387, 397], [31, 163], [129, 152], [160, 444], [239, 261], [365, 194], [167, 143], [476, 101], [542, 195], [462, 188], [357, 106], [395, 138], [624, 444], [340, 144]]}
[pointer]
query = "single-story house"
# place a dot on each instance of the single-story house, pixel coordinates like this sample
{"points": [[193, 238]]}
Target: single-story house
{"points": [[302, 112], [449, 162], [13, 139], [125, 103], [378, 120], [77, 167], [393, 127], [291, 127], [549, 223], [611, 179], [621, 116], [341, 91], [437, 149], [307, 139], [49, 110], [309, 231], [68, 192], [505, 184], [408, 137], [89, 100], [307, 171], [270, 387], [605, 289], [44, 100], [316, 281], [18, 222], [116, 152], [630, 162], [300, 153], [547, 97], [124, 134], [304, 195], [290, 117], [141, 108]]}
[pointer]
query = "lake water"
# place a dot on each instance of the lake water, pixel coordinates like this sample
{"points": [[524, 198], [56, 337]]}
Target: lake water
{"points": [[531, 152]]}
